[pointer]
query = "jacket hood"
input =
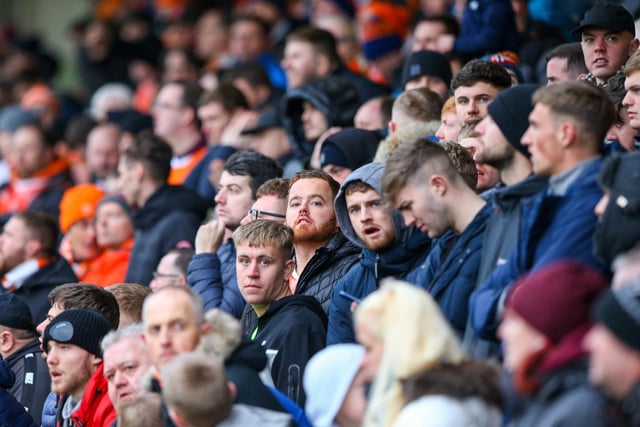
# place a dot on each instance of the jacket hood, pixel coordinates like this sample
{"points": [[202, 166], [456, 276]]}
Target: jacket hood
{"points": [[370, 174], [334, 96], [351, 147], [167, 199], [291, 301]]}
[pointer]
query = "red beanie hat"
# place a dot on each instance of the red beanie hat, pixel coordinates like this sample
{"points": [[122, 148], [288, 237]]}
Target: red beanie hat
{"points": [[557, 299], [79, 203]]}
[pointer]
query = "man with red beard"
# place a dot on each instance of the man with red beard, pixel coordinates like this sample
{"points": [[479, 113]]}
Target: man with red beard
{"points": [[322, 255]]}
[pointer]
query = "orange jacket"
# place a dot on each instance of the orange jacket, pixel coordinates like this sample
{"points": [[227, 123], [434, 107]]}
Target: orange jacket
{"points": [[110, 267]]}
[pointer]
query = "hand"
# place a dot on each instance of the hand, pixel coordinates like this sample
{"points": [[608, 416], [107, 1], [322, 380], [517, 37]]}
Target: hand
{"points": [[209, 237], [240, 121]]}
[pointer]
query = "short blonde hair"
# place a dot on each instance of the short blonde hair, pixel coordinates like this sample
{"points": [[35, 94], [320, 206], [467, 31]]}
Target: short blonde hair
{"points": [[449, 106], [263, 232]]}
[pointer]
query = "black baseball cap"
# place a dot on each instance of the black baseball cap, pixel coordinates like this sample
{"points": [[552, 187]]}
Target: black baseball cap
{"points": [[608, 16]]}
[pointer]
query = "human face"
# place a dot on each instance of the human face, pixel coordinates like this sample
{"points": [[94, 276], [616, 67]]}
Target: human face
{"points": [[177, 67], [354, 404], [420, 206], [369, 116], [266, 206], [113, 225], [102, 152], [170, 325], [339, 173], [70, 368], [612, 365], [233, 199], [214, 119], [622, 132], [310, 211], [82, 236], [210, 36], [631, 100], [53, 312], [128, 181], [263, 274], [271, 142], [246, 41], [557, 71], [370, 220], [13, 244], [314, 123], [605, 52], [449, 127], [493, 148], [125, 362], [373, 350], [299, 63], [542, 141], [166, 273], [28, 153], [520, 341], [488, 176], [425, 36], [472, 101], [436, 84], [168, 111]]}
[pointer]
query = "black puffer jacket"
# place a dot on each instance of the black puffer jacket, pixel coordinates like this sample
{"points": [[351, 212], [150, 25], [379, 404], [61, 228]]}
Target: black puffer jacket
{"points": [[326, 267], [335, 97]]}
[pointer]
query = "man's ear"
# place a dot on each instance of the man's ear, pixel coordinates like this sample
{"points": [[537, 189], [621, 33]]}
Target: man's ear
{"points": [[233, 391], [95, 360], [205, 328], [176, 417], [438, 185], [288, 269], [32, 248], [7, 340], [392, 126], [567, 133]]}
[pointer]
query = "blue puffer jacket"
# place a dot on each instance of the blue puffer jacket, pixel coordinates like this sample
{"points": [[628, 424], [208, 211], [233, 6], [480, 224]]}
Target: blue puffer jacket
{"points": [[12, 413], [213, 277], [451, 280], [553, 228], [408, 252]]}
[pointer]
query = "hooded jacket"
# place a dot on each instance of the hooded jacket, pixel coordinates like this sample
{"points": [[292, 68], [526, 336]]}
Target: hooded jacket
{"points": [[408, 251], [335, 97], [172, 214], [33, 381], [35, 289], [292, 330], [12, 413]]}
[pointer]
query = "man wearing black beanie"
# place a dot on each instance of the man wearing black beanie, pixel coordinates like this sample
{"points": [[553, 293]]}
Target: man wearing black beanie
{"points": [[614, 346], [500, 147]]}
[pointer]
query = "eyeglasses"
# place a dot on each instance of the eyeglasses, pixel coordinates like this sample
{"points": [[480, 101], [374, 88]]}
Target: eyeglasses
{"points": [[157, 275], [61, 332], [256, 214]]}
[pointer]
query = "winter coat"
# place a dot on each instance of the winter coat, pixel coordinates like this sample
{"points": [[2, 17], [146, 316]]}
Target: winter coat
{"points": [[96, 409], [12, 413], [292, 330], [553, 227], [33, 381], [213, 277], [172, 214], [35, 289], [451, 280], [325, 268], [565, 398], [408, 251], [243, 368], [500, 237], [625, 413]]}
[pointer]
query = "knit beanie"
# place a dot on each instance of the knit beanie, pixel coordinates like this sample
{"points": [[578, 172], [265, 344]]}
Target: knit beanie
{"points": [[84, 328], [14, 117], [508, 60], [327, 379], [383, 28], [619, 228], [330, 154], [15, 313], [619, 311], [79, 203], [510, 111], [557, 299], [350, 148], [426, 63], [120, 201]]}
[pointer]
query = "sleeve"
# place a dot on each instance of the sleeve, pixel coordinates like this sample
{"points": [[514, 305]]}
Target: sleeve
{"points": [[487, 32], [340, 329]]}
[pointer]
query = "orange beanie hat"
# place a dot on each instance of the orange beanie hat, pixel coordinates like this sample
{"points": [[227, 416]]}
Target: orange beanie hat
{"points": [[79, 203]]}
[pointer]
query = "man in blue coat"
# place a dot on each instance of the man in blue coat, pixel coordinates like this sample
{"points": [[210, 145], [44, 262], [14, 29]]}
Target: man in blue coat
{"points": [[566, 129], [389, 248], [423, 184], [212, 272]]}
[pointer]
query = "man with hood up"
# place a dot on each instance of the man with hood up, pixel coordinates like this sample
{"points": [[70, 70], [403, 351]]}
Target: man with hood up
{"points": [[389, 248]]}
